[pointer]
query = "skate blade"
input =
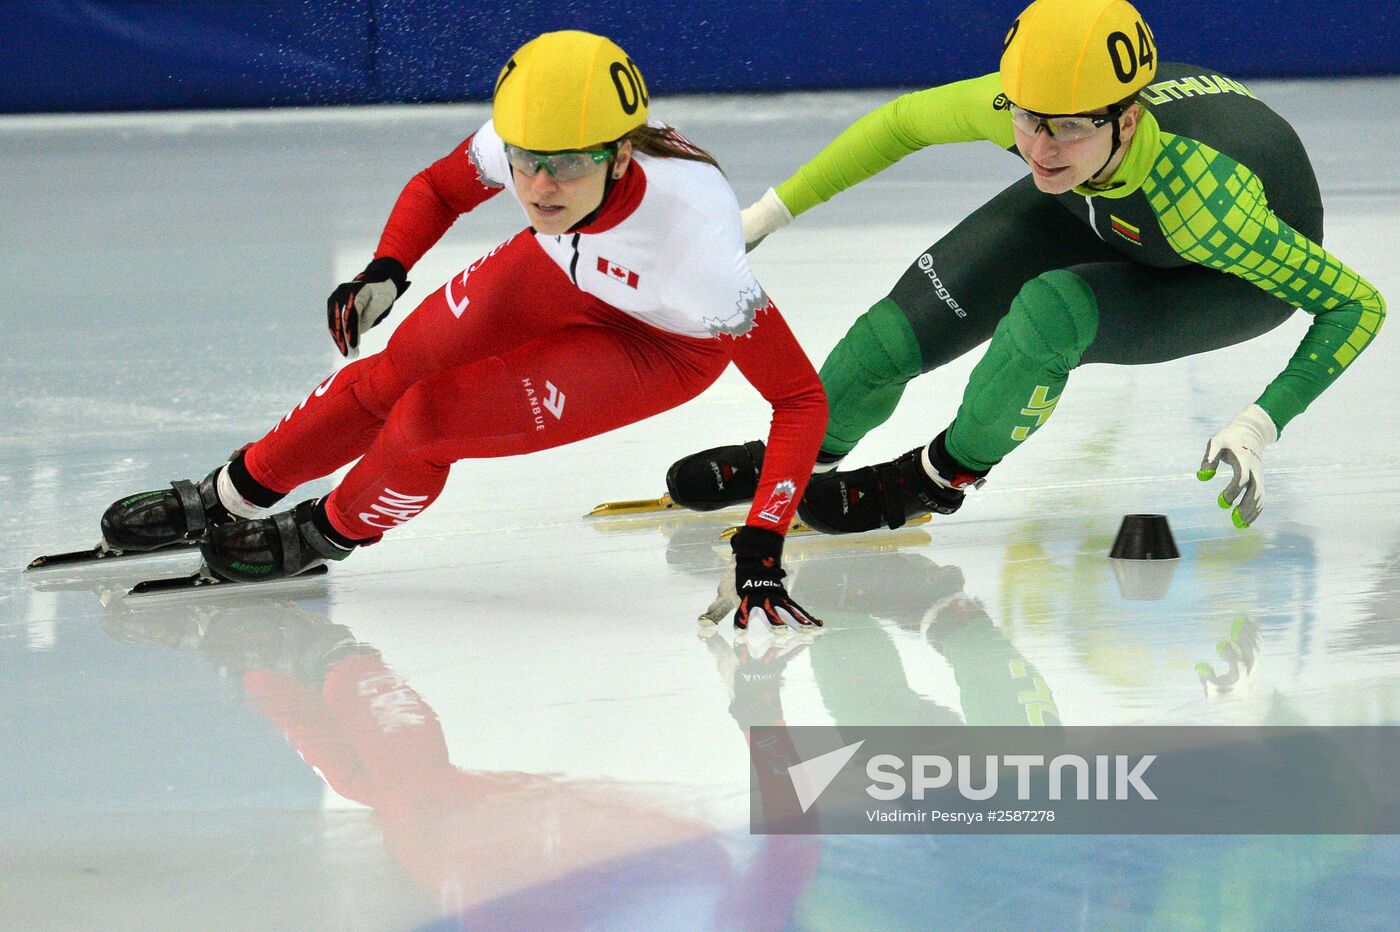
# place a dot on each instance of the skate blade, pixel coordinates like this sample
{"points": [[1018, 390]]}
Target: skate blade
{"points": [[803, 529], [637, 506], [100, 559], [667, 522], [202, 581]]}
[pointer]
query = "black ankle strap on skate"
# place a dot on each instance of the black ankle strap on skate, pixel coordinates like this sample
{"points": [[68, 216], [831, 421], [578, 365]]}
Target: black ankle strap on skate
{"points": [[190, 501], [303, 521], [892, 495], [286, 524], [906, 490]]}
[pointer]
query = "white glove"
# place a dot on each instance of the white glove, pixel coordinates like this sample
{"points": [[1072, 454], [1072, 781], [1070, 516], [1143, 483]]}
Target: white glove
{"points": [[762, 217], [1241, 445]]}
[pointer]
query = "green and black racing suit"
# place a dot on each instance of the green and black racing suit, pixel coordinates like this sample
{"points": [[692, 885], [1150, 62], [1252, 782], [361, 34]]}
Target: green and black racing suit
{"points": [[1207, 234]]}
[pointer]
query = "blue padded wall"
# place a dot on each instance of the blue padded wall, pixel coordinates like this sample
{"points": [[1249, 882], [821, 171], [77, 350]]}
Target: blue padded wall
{"points": [[93, 55]]}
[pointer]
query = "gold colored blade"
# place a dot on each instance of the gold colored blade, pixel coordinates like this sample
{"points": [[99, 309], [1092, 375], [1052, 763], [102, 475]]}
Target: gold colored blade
{"points": [[800, 528], [635, 507]]}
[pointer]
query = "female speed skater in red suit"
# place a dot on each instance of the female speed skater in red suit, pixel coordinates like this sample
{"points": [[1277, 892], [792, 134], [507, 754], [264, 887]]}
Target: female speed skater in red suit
{"points": [[628, 294]]}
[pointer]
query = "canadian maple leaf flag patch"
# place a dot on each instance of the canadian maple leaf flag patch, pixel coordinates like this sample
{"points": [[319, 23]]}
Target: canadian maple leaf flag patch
{"points": [[613, 270]]}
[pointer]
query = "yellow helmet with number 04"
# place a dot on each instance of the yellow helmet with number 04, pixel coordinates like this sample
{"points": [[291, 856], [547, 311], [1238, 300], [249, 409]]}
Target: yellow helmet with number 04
{"points": [[1072, 56], [568, 90]]}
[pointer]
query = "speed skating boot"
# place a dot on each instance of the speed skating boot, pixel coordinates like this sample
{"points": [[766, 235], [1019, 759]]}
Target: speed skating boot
{"points": [[274, 547], [151, 520], [888, 494], [716, 478]]}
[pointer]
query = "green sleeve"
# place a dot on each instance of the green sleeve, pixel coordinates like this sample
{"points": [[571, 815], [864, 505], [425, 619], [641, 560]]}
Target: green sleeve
{"points": [[1214, 212], [962, 112]]}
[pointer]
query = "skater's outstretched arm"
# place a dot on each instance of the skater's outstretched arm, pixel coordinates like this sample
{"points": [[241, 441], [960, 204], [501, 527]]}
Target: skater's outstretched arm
{"points": [[965, 111], [434, 198], [430, 203]]}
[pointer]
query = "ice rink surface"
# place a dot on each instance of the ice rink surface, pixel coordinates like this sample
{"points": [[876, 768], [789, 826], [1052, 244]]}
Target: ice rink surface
{"points": [[504, 715]]}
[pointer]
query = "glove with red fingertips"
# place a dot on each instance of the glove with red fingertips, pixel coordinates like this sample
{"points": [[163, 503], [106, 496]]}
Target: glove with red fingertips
{"points": [[758, 581], [356, 306]]}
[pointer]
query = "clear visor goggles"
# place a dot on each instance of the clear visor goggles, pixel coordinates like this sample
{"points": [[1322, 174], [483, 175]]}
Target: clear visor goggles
{"points": [[1064, 128], [561, 166]]}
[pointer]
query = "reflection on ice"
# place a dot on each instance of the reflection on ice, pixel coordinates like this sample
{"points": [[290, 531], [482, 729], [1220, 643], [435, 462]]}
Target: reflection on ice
{"points": [[536, 730]]}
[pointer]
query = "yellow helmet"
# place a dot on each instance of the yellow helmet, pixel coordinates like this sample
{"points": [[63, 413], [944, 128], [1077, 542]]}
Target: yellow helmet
{"points": [[568, 90], [1073, 56]]}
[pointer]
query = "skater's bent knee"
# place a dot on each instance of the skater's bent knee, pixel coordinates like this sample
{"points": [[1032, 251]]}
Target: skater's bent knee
{"points": [[446, 416], [379, 383], [1054, 316], [880, 346]]}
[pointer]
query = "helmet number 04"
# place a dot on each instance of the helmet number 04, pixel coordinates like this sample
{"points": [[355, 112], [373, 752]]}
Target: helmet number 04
{"points": [[631, 91], [1127, 58]]}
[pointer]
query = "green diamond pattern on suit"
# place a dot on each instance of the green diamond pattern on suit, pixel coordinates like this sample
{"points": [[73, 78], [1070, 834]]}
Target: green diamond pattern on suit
{"points": [[1213, 211]]}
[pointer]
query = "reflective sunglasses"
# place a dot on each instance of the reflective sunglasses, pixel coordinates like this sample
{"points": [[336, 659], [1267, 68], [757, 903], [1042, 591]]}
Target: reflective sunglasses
{"points": [[562, 166], [1064, 128]]}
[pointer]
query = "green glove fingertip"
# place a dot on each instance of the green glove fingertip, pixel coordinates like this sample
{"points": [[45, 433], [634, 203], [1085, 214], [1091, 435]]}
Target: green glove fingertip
{"points": [[1224, 502], [1205, 475], [1238, 521]]}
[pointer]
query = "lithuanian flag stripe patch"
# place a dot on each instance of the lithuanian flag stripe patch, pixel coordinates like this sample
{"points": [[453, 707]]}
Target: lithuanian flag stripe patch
{"points": [[1125, 229]]}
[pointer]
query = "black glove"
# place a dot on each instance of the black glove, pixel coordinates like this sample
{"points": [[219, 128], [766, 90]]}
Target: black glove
{"points": [[358, 305], [758, 579]]}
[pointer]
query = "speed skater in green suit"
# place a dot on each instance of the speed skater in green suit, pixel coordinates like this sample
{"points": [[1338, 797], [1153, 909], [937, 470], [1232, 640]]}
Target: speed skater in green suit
{"points": [[1168, 211]]}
